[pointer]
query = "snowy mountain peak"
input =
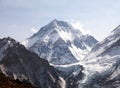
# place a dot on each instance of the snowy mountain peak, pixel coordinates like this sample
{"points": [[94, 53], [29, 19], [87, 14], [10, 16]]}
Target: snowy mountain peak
{"points": [[60, 23], [56, 25], [60, 43], [54, 30]]}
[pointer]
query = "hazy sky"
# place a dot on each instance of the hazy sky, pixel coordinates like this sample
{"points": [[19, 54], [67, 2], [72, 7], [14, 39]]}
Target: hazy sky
{"points": [[20, 18]]}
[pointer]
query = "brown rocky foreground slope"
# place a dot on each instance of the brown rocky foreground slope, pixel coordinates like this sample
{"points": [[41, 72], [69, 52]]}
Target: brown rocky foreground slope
{"points": [[6, 82]]}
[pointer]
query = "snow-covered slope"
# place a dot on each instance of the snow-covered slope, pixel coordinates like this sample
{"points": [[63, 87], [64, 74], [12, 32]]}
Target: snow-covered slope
{"points": [[18, 63], [71, 73], [60, 43], [107, 48], [99, 69], [102, 64]]}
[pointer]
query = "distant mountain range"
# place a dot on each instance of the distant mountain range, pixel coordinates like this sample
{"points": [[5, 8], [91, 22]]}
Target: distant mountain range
{"points": [[70, 59]]}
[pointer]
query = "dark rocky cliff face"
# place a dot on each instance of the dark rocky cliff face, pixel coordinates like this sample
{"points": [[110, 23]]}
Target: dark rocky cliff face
{"points": [[18, 63]]}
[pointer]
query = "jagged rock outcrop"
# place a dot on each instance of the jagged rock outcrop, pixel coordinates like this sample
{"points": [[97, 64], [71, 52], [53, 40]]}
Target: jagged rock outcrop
{"points": [[18, 63]]}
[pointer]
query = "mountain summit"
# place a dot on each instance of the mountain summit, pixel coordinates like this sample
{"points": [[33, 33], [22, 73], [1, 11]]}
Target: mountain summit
{"points": [[60, 43]]}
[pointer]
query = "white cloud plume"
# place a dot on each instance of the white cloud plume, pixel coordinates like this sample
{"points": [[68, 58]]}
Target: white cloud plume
{"points": [[78, 25], [33, 30]]}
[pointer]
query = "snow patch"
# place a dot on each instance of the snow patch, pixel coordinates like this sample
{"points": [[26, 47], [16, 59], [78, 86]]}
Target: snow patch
{"points": [[77, 52], [63, 84], [3, 49], [65, 35]]}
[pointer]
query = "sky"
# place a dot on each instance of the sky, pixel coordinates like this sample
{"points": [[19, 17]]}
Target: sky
{"points": [[19, 19]]}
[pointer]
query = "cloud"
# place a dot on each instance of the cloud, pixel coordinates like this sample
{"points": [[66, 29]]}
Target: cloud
{"points": [[78, 25], [33, 30]]}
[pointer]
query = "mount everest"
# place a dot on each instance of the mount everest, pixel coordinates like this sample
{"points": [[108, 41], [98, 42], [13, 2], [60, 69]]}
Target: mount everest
{"points": [[60, 43]]}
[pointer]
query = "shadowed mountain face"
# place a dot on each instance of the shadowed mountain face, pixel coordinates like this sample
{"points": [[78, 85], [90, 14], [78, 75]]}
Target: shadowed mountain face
{"points": [[18, 63], [60, 43]]}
